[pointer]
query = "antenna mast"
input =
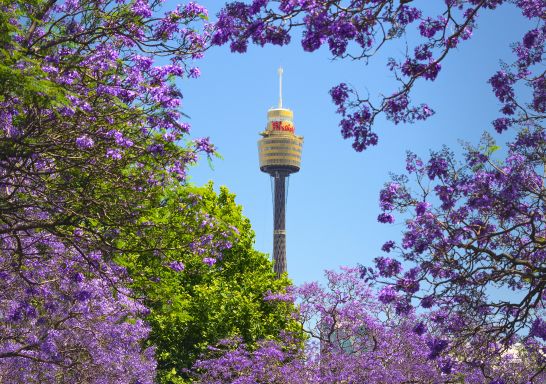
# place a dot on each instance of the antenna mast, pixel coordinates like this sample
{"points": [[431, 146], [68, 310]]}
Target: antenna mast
{"points": [[280, 87]]}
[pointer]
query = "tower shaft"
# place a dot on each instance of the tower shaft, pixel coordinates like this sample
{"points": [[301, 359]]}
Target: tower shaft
{"points": [[279, 224]]}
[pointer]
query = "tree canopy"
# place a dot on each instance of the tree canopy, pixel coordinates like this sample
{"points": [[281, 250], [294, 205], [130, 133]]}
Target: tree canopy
{"points": [[207, 283], [91, 128], [358, 334], [91, 125]]}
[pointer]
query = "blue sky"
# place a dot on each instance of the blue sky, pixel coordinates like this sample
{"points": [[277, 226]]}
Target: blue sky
{"points": [[333, 200]]}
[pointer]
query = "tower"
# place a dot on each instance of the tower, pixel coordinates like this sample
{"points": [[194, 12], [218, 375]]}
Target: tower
{"points": [[280, 155]]}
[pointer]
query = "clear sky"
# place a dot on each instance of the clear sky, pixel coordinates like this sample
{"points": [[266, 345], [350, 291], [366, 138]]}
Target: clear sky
{"points": [[333, 200]]}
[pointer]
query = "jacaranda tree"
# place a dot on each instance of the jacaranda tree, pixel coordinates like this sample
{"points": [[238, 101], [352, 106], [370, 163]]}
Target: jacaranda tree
{"points": [[90, 128], [358, 335], [93, 160], [90, 119], [474, 241], [61, 321]]}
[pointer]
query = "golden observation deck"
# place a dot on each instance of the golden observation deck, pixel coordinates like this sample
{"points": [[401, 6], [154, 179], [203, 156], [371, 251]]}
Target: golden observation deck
{"points": [[280, 148]]}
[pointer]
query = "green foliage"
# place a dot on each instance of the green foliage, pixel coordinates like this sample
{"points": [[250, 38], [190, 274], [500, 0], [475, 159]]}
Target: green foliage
{"points": [[20, 75], [203, 304]]}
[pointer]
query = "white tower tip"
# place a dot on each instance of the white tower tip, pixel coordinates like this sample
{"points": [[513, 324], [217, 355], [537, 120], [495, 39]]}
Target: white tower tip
{"points": [[280, 71]]}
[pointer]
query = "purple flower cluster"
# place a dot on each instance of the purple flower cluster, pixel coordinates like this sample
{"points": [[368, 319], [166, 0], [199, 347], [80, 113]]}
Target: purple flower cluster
{"points": [[84, 142], [114, 154], [204, 145], [176, 266], [385, 218], [436, 347], [62, 319], [356, 337], [210, 261], [429, 27], [387, 295], [388, 267], [463, 241]]}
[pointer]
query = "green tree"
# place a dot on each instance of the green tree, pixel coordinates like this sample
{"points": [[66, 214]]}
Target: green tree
{"points": [[207, 283]]}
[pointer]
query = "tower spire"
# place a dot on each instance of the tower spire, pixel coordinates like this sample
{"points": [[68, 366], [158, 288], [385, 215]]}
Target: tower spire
{"points": [[280, 71]]}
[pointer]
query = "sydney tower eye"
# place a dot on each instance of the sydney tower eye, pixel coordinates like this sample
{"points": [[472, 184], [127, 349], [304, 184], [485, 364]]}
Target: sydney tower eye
{"points": [[280, 155]]}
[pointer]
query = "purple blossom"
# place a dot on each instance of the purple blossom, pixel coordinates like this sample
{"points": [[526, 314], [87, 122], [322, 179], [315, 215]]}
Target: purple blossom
{"points": [[437, 167], [141, 8], [340, 94], [114, 154], [185, 127], [120, 139], [387, 295], [78, 277], [193, 9], [385, 218], [531, 38], [164, 71], [436, 347], [388, 267], [403, 308], [176, 266], [210, 261], [420, 328], [539, 94], [388, 196], [502, 124], [143, 63], [427, 301], [388, 246], [408, 15], [531, 8], [446, 366], [421, 208], [50, 70], [194, 72], [413, 163], [204, 144], [156, 149], [429, 27], [538, 329], [83, 295], [178, 169], [432, 70], [502, 85], [408, 284], [422, 52], [67, 111], [84, 142]]}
